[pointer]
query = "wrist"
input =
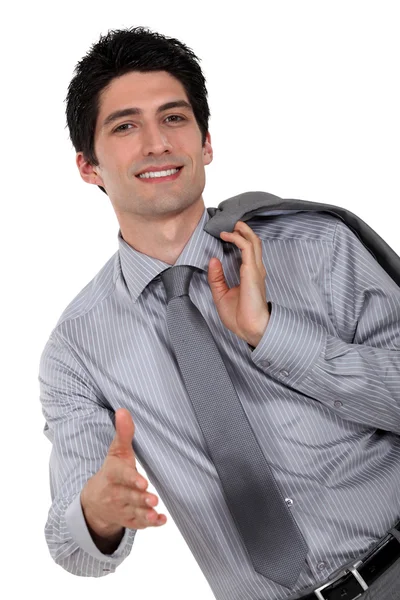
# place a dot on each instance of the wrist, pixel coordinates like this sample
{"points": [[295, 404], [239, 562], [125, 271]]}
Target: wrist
{"points": [[255, 339], [105, 538], [97, 526]]}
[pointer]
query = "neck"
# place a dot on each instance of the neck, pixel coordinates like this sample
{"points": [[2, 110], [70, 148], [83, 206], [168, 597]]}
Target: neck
{"points": [[163, 237]]}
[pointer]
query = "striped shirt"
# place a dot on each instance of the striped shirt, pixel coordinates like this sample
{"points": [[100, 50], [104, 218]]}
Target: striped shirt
{"points": [[321, 391]]}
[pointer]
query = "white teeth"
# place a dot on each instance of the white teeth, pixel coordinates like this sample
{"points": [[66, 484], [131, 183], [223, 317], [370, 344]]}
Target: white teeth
{"points": [[158, 173]]}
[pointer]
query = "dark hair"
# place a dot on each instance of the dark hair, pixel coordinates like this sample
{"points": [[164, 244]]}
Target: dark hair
{"points": [[117, 53]]}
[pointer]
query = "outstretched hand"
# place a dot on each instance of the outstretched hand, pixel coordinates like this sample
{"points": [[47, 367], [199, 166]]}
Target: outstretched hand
{"points": [[243, 309]]}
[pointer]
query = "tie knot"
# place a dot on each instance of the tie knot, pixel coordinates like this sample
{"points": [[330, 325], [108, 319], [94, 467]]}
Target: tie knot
{"points": [[176, 280]]}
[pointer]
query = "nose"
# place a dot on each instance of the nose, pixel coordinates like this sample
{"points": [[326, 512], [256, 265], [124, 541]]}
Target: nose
{"points": [[155, 140]]}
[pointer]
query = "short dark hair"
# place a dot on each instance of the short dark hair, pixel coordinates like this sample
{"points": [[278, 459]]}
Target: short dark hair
{"points": [[117, 53]]}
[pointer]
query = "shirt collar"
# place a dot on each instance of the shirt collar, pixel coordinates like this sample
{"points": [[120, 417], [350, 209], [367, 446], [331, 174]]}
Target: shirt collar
{"points": [[139, 269]]}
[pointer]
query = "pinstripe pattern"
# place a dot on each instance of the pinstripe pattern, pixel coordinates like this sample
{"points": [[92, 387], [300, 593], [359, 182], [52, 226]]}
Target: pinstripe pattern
{"points": [[321, 390]]}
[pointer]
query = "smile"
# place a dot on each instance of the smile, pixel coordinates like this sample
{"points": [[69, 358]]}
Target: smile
{"points": [[152, 179]]}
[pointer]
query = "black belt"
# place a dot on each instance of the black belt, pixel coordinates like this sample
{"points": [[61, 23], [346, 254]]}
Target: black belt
{"points": [[358, 577]]}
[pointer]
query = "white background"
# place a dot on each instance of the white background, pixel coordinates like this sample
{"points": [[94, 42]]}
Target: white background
{"points": [[304, 99]]}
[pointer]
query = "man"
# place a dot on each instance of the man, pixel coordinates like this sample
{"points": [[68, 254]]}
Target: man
{"points": [[316, 367]]}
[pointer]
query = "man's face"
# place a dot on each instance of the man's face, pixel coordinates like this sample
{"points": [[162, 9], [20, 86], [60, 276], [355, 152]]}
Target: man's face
{"points": [[129, 144]]}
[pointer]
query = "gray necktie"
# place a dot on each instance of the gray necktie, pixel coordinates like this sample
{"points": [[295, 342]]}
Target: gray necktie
{"points": [[273, 539]]}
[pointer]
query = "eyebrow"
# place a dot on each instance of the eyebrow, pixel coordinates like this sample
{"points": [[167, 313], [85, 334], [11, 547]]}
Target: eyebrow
{"points": [[125, 112]]}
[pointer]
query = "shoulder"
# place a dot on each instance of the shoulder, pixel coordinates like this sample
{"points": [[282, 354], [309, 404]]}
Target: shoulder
{"points": [[303, 225], [101, 286]]}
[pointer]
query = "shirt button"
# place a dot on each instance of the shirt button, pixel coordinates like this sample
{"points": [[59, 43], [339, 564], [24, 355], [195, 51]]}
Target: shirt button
{"points": [[321, 566], [284, 373], [266, 363], [338, 403], [289, 501]]}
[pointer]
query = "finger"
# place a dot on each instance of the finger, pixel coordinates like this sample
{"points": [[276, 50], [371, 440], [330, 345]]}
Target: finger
{"points": [[136, 499], [248, 234], [216, 279], [124, 431], [245, 245], [146, 514], [141, 522], [139, 517], [142, 517], [134, 505], [117, 472]]}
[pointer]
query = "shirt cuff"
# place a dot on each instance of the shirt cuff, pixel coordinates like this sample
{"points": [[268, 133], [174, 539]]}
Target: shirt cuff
{"points": [[75, 521], [290, 346]]}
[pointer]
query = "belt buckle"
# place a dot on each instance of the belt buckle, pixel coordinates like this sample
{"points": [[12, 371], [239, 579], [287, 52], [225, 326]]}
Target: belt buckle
{"points": [[352, 569]]}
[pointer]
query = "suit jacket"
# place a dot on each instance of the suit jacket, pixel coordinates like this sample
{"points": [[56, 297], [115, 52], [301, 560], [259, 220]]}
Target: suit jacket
{"points": [[245, 206]]}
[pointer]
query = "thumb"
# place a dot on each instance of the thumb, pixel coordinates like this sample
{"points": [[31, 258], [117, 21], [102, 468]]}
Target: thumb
{"points": [[124, 431], [216, 279]]}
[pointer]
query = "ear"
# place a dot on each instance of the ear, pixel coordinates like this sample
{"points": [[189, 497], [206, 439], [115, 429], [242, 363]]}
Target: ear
{"points": [[87, 171], [207, 150]]}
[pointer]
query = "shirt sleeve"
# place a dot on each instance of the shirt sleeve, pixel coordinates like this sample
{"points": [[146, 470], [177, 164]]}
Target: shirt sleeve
{"points": [[355, 373], [80, 428]]}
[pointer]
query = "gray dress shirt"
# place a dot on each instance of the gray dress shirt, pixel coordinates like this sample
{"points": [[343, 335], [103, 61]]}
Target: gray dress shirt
{"points": [[321, 391]]}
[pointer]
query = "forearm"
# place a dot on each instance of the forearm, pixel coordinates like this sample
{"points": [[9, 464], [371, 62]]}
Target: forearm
{"points": [[358, 382], [67, 535]]}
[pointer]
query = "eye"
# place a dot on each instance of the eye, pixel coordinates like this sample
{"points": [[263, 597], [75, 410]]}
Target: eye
{"points": [[177, 116], [119, 128]]}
